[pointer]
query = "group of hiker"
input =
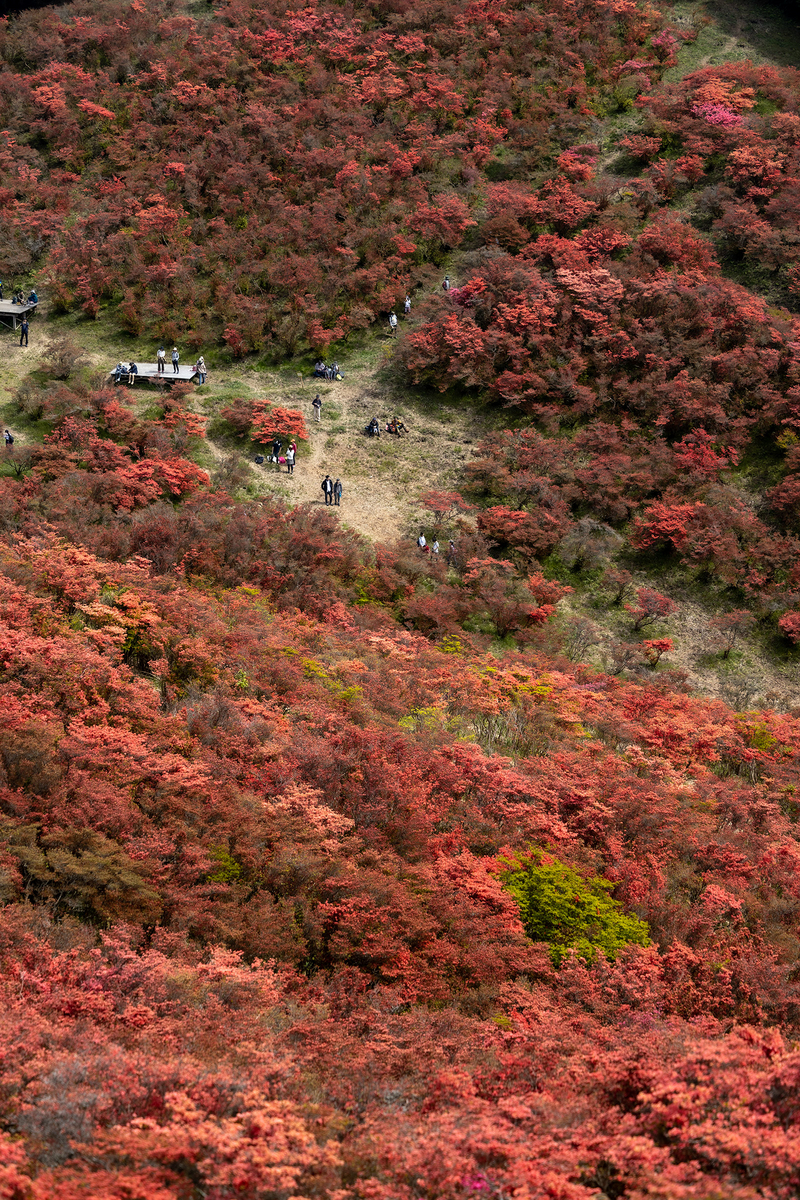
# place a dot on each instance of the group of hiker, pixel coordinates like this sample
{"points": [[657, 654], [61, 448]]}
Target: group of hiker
{"points": [[332, 489], [396, 426], [281, 457], [393, 315], [161, 360], [433, 548], [329, 371], [200, 368], [126, 373], [19, 296]]}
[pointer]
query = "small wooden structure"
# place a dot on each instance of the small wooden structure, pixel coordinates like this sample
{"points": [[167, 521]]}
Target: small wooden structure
{"points": [[12, 314], [149, 373]]}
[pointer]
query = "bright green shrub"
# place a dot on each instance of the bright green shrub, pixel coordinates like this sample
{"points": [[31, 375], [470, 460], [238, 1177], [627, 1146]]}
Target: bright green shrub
{"points": [[569, 912]]}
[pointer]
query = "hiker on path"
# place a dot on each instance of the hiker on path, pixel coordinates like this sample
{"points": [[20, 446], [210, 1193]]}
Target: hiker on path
{"points": [[291, 451], [337, 492], [23, 332], [200, 368], [435, 546], [393, 323], [327, 487], [406, 306], [316, 404], [421, 542], [8, 437], [446, 284], [175, 359], [276, 449], [161, 360]]}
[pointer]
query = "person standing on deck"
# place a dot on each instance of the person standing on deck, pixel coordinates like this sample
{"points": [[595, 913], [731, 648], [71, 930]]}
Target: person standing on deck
{"points": [[161, 360], [175, 359]]}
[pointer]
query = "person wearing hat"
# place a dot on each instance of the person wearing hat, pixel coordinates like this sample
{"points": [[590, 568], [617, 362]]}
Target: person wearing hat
{"points": [[175, 359]]}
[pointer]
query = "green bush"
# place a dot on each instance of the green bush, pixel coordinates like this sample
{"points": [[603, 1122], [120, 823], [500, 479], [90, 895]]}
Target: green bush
{"points": [[560, 907]]}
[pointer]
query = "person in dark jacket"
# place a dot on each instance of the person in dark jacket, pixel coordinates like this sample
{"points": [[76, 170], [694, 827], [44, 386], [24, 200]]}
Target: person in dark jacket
{"points": [[337, 492], [327, 487]]}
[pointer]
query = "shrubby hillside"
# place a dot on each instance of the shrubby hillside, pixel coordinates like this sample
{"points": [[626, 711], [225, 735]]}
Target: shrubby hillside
{"points": [[329, 868]]}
